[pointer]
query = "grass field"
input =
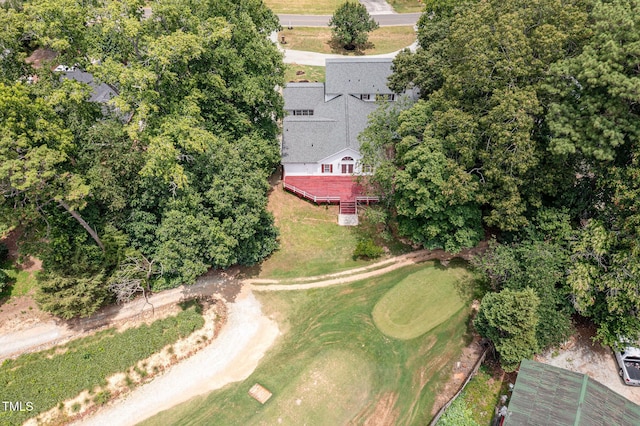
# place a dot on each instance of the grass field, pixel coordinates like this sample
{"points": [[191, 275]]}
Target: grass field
{"points": [[50, 377], [311, 242], [382, 40], [420, 302], [309, 73], [304, 7], [331, 351], [406, 6]]}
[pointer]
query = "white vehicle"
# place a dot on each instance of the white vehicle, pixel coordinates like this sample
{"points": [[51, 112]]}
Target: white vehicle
{"points": [[629, 362]]}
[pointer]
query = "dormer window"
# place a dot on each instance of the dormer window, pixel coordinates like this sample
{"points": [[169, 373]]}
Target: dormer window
{"points": [[301, 112]]}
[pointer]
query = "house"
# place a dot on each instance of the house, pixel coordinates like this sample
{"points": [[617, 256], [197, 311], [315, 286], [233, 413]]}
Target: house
{"points": [[101, 92], [547, 395], [320, 147]]}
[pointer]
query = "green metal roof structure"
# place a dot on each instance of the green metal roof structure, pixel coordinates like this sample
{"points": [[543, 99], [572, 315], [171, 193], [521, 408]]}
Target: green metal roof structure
{"points": [[546, 395]]}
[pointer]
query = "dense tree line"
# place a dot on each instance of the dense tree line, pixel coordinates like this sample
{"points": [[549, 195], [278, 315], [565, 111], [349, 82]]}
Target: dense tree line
{"points": [[171, 176], [527, 128]]}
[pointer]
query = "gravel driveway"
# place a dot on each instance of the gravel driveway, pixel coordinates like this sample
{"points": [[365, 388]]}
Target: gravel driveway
{"points": [[232, 357], [583, 356]]}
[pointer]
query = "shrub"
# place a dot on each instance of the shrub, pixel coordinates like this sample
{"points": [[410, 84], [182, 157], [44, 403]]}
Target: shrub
{"points": [[367, 249]]}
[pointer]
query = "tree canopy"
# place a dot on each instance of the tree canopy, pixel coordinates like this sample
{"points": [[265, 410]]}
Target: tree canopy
{"points": [[526, 109], [351, 24], [173, 168]]}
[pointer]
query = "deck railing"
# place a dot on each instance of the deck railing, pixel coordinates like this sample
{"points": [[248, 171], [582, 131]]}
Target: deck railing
{"points": [[316, 199], [367, 200]]}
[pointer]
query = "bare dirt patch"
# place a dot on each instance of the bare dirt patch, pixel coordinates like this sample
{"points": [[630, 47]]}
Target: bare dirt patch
{"points": [[384, 412], [459, 373]]}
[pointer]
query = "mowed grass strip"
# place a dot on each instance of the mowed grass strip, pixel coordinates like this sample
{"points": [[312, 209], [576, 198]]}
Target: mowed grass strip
{"points": [[419, 303], [50, 377], [311, 241], [304, 7], [382, 40], [329, 329], [311, 73]]}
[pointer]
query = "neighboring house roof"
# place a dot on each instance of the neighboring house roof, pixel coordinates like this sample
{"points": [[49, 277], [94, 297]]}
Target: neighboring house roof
{"points": [[102, 92], [547, 395], [339, 115]]}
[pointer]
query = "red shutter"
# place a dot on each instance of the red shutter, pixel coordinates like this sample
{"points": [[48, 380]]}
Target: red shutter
{"points": [[331, 168], [321, 168]]}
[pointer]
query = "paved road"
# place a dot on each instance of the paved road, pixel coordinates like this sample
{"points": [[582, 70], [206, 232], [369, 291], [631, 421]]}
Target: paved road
{"points": [[386, 20]]}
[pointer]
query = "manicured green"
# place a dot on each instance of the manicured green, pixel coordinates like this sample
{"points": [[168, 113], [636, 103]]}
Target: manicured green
{"points": [[331, 373], [50, 377], [329, 329], [310, 73], [420, 302]]}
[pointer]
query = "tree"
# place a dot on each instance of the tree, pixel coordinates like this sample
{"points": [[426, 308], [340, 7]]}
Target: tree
{"points": [[597, 119], [174, 168], [69, 297], [484, 104], [350, 25], [540, 266], [509, 319]]}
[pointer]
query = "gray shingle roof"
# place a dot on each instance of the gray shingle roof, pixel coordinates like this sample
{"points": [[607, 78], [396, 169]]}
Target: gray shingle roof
{"points": [[547, 395], [358, 75], [102, 92], [338, 115]]}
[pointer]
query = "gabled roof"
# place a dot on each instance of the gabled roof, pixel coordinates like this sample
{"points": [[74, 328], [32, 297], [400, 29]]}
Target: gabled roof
{"points": [[547, 395], [339, 115], [358, 75]]}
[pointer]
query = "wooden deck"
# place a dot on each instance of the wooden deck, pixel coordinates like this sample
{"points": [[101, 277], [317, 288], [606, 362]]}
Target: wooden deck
{"points": [[330, 189]]}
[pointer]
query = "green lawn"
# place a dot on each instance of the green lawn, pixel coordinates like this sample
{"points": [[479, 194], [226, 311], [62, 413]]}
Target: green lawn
{"points": [[295, 72], [47, 378], [304, 7], [311, 241], [420, 302], [406, 6], [382, 40], [21, 282], [333, 366]]}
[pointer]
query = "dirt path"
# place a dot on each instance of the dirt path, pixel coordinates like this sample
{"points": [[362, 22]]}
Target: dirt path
{"points": [[362, 273], [232, 357]]}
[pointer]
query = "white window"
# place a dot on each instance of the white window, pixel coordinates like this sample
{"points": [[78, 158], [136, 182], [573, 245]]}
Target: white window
{"points": [[365, 97], [327, 168], [367, 168]]}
